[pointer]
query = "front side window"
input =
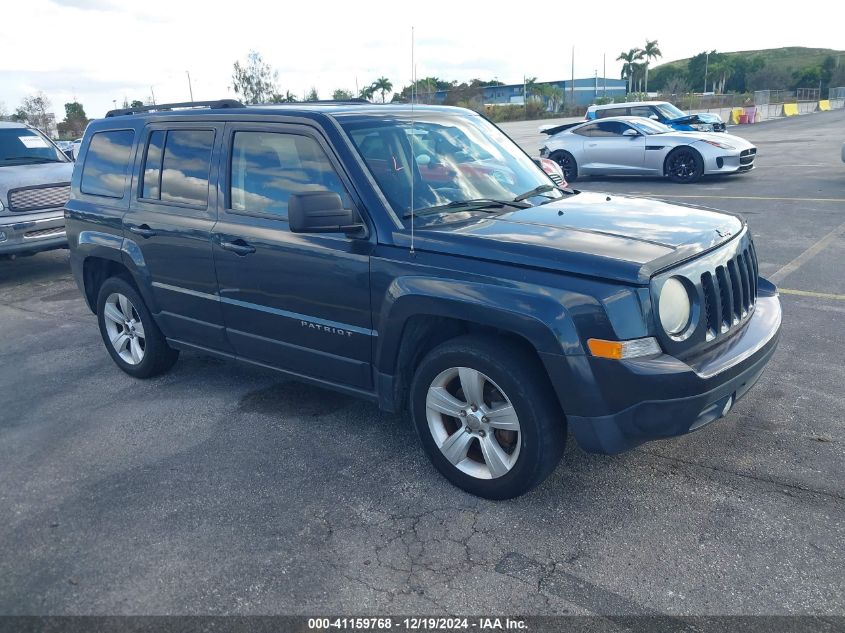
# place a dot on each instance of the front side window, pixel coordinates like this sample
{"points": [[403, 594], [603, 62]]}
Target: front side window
{"points": [[268, 167], [442, 159], [107, 163], [26, 146], [177, 166], [643, 111], [609, 128]]}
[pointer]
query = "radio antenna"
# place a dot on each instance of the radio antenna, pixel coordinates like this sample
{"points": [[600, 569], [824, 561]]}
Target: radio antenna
{"points": [[412, 158]]}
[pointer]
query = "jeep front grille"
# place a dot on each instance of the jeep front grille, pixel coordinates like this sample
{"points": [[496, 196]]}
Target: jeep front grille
{"points": [[730, 292], [39, 198]]}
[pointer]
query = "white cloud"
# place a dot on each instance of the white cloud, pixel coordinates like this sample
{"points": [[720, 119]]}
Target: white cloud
{"points": [[105, 50]]}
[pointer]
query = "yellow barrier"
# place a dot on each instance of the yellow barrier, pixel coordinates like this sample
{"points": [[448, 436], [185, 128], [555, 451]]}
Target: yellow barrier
{"points": [[735, 112], [790, 109], [824, 105]]}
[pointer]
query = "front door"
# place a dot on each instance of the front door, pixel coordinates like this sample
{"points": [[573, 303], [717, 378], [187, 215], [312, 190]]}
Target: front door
{"points": [[172, 210], [299, 302], [608, 151]]}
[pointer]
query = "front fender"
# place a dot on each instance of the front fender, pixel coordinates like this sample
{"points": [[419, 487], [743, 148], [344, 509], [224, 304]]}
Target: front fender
{"points": [[542, 321]]}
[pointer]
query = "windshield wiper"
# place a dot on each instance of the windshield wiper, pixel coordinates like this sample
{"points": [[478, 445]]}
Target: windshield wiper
{"points": [[40, 159], [536, 191], [477, 204]]}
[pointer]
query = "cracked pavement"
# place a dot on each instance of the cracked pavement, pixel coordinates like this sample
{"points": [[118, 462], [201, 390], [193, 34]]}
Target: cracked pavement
{"points": [[224, 489]]}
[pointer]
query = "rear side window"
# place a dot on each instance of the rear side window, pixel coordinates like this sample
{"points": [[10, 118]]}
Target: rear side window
{"points": [[267, 167], [107, 163], [177, 166], [586, 130], [611, 112]]}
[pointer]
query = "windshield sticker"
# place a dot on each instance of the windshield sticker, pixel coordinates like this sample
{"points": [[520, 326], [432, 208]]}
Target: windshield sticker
{"points": [[33, 141]]}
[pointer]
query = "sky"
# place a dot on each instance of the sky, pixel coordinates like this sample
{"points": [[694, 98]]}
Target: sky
{"points": [[102, 51]]}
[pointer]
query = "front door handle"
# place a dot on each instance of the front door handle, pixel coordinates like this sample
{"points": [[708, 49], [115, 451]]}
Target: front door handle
{"points": [[238, 247], [144, 230]]}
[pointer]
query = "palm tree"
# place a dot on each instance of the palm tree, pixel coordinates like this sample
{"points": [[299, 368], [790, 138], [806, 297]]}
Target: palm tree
{"points": [[382, 84], [650, 52], [721, 69], [367, 92], [629, 60]]}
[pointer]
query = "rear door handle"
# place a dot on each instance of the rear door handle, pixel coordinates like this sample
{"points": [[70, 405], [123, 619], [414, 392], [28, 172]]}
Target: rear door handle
{"points": [[144, 230], [238, 247]]}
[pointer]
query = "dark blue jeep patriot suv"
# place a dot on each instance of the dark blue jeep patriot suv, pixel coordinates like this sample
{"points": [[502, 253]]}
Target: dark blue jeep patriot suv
{"points": [[417, 257]]}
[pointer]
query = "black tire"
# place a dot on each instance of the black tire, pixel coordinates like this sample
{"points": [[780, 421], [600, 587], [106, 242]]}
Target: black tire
{"points": [[567, 163], [157, 355], [518, 375], [684, 165]]}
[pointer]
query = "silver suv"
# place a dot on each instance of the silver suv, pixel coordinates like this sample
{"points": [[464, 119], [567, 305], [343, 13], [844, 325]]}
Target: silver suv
{"points": [[34, 186]]}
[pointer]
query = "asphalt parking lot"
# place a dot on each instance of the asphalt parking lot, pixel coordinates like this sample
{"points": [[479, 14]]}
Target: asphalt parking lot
{"points": [[223, 489]]}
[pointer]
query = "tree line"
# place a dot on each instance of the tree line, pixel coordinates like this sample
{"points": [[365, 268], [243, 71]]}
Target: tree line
{"points": [[712, 71], [255, 81]]}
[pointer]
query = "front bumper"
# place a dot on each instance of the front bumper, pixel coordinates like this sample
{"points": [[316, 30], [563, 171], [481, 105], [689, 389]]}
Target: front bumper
{"points": [[681, 396], [31, 233]]}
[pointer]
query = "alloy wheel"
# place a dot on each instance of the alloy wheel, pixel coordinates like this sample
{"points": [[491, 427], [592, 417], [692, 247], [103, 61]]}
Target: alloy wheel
{"points": [[473, 423], [682, 165], [124, 328]]}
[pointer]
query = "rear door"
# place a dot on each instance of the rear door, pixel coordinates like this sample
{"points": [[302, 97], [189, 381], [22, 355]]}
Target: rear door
{"points": [[172, 211], [608, 151], [299, 302]]}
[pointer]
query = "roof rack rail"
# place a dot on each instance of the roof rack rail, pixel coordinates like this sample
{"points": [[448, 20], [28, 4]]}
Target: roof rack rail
{"points": [[353, 100], [220, 103]]}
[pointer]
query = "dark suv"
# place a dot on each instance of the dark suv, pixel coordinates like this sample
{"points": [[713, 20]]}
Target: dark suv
{"points": [[417, 257]]}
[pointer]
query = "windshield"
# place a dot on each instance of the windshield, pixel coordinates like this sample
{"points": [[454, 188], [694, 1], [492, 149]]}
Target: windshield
{"points": [[449, 159], [649, 127], [669, 111], [22, 146]]}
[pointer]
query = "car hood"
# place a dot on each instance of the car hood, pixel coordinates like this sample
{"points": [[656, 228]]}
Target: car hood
{"points": [[698, 117], [719, 137], [616, 237], [16, 176]]}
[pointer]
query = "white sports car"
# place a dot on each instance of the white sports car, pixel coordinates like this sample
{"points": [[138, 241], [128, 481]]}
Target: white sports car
{"points": [[629, 145]]}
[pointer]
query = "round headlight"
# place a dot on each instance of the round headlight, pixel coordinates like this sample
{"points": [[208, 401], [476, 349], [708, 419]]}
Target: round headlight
{"points": [[675, 307]]}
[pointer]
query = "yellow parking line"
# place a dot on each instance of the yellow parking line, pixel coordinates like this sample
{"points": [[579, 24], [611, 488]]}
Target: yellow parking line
{"points": [[808, 293], [807, 255]]}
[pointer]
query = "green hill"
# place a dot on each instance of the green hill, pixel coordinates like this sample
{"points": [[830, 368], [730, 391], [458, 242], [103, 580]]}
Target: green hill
{"points": [[771, 68]]}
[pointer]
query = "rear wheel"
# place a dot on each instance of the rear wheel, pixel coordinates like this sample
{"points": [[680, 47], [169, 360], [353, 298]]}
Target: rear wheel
{"points": [[129, 332], [684, 165], [487, 417], [567, 164]]}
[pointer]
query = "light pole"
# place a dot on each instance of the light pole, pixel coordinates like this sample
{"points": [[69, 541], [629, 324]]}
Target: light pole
{"points": [[706, 63], [190, 88]]}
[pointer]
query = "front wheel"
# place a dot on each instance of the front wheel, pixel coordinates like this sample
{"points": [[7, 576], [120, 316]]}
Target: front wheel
{"points": [[487, 416], [684, 165]]}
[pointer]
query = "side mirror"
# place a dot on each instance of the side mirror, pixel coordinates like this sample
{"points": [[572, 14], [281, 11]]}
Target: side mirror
{"points": [[69, 154], [423, 160], [630, 132], [321, 212], [654, 117]]}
